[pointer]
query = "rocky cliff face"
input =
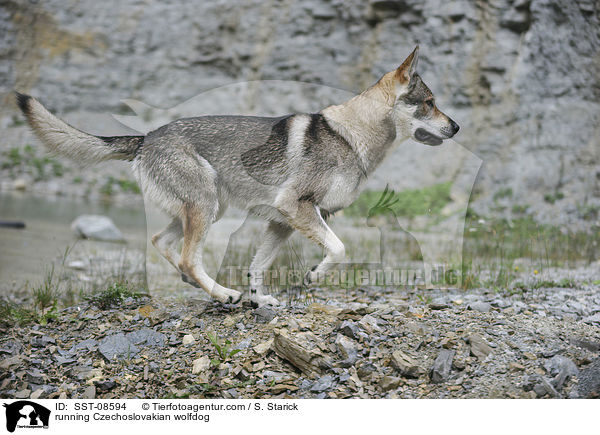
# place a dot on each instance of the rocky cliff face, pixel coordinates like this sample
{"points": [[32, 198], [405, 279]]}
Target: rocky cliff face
{"points": [[521, 77]]}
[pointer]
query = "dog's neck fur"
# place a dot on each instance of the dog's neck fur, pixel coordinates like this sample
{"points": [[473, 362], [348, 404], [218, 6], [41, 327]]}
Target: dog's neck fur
{"points": [[367, 122]]}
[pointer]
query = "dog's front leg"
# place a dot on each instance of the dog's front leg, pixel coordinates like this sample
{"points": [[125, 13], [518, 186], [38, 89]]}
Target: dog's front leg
{"points": [[307, 219], [275, 235]]}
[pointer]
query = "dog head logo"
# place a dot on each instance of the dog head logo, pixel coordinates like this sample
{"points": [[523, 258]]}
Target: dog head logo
{"points": [[26, 414]]}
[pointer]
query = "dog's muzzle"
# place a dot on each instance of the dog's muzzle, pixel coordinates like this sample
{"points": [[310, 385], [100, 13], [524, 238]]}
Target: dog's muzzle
{"points": [[424, 136]]}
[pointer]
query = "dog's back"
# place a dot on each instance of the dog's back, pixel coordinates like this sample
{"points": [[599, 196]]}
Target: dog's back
{"points": [[248, 159]]}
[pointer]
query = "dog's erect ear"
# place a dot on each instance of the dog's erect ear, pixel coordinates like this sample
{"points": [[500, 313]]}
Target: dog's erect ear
{"points": [[408, 67]]}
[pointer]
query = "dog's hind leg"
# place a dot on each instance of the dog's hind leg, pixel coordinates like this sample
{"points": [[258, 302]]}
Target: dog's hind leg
{"points": [[166, 241], [275, 235], [306, 218], [196, 222]]}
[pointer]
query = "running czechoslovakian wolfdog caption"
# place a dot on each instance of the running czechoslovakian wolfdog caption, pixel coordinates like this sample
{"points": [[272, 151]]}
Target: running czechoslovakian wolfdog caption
{"points": [[293, 170]]}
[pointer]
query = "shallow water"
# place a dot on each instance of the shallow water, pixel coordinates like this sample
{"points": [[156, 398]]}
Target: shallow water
{"points": [[27, 254]]}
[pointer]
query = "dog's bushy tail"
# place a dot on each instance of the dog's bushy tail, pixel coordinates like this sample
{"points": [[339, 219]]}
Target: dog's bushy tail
{"points": [[61, 138]]}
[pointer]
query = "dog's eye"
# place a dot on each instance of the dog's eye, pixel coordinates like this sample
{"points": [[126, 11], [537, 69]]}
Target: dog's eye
{"points": [[429, 103]]}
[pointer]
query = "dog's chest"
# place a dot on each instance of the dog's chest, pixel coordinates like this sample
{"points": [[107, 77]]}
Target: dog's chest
{"points": [[341, 192]]}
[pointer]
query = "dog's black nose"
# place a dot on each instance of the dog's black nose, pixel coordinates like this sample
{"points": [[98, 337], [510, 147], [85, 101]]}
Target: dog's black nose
{"points": [[454, 126]]}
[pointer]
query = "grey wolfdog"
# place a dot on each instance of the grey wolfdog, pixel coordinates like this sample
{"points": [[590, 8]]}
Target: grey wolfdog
{"points": [[293, 171]]}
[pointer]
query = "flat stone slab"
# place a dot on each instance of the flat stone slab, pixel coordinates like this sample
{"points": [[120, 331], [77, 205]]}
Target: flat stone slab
{"points": [[116, 347]]}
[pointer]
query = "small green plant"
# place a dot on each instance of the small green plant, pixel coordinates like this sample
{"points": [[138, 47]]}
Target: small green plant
{"points": [[16, 157], [125, 185], [469, 279], [425, 299], [224, 350], [128, 185], [45, 304], [384, 204], [57, 168], [113, 295], [567, 283], [588, 212], [408, 203], [517, 289], [563, 283], [551, 198], [45, 294], [13, 314], [41, 163], [520, 209], [107, 188], [13, 158], [501, 271], [29, 150], [16, 121], [487, 240], [204, 388], [505, 192], [42, 306], [45, 298]]}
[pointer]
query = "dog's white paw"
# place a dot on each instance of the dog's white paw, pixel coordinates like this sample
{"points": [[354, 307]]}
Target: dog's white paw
{"points": [[261, 300], [229, 296]]}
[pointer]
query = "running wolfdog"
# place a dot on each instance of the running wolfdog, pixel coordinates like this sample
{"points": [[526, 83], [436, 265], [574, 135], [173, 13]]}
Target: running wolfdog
{"points": [[293, 170]]}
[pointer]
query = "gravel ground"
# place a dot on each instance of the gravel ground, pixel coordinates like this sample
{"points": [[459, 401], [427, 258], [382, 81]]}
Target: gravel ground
{"points": [[366, 343]]}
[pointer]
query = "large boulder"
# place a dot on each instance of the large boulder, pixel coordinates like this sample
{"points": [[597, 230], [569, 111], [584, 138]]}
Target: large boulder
{"points": [[97, 228]]}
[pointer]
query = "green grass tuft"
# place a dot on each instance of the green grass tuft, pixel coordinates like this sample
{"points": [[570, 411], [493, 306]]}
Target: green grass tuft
{"points": [[506, 192], [113, 295], [13, 314], [408, 203], [224, 351], [123, 184]]}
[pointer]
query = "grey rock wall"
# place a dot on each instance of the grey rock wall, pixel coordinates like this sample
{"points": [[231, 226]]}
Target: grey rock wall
{"points": [[521, 77]]}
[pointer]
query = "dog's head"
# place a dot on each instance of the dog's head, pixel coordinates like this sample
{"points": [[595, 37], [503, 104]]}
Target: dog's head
{"points": [[415, 112]]}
